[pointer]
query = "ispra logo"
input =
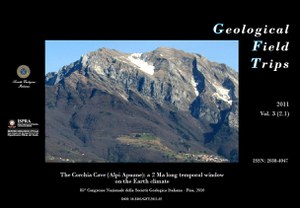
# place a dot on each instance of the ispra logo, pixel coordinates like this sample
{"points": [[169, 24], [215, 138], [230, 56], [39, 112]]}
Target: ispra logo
{"points": [[11, 123], [26, 121]]}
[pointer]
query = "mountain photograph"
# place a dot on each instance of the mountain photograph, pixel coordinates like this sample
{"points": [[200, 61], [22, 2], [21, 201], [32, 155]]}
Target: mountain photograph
{"points": [[161, 106]]}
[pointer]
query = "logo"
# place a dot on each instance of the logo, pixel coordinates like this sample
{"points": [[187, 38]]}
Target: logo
{"points": [[22, 127], [11, 124], [23, 71]]}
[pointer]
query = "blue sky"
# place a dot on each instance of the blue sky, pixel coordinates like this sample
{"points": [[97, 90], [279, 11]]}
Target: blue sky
{"points": [[60, 53]]}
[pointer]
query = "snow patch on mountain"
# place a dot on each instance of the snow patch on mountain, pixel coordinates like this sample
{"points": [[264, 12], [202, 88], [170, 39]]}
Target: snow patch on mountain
{"points": [[99, 70], [135, 58], [84, 59], [194, 84], [222, 94]]}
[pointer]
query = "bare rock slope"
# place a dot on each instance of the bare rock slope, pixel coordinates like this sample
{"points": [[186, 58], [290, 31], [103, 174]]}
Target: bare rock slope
{"points": [[161, 106]]}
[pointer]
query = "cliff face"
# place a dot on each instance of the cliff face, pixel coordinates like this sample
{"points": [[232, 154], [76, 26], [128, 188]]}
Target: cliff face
{"points": [[161, 106]]}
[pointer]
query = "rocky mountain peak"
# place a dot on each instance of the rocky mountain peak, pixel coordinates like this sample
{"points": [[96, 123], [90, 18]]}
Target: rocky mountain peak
{"points": [[188, 86]]}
